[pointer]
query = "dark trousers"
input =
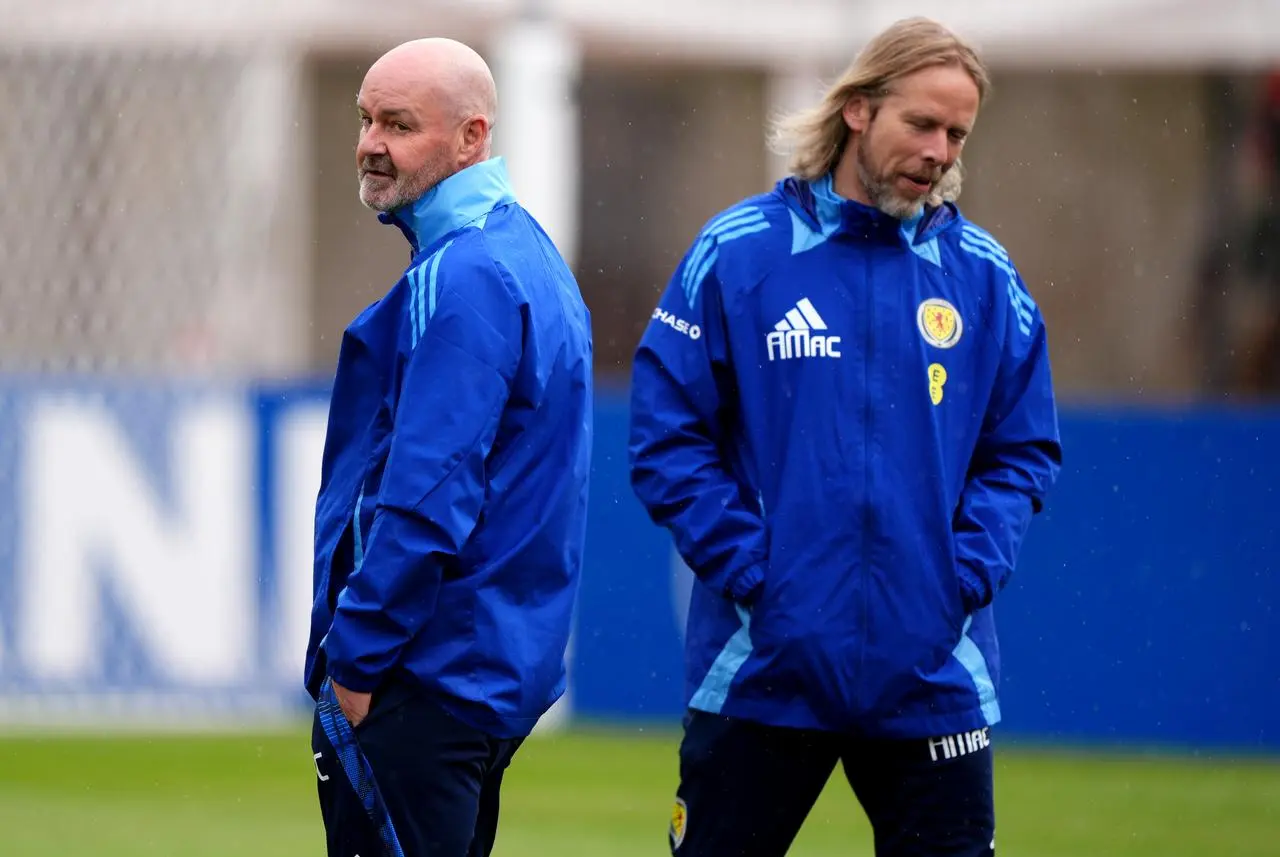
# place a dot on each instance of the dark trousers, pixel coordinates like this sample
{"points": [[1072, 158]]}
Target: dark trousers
{"points": [[746, 789], [409, 781]]}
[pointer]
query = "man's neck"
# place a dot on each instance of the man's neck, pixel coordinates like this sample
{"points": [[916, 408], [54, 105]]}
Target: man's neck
{"points": [[845, 180], [455, 201]]}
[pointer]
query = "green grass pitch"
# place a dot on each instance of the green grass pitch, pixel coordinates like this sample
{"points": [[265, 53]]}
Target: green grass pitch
{"points": [[590, 793]]}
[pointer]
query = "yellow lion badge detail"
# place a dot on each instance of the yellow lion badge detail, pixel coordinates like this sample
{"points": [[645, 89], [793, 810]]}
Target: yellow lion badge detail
{"points": [[679, 822], [939, 322]]}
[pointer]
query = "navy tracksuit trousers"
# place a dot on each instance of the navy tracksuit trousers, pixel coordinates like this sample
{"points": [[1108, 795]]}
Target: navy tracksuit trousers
{"points": [[410, 781], [746, 789]]}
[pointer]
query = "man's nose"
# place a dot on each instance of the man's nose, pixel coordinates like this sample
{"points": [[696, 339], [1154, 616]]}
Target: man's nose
{"points": [[936, 147], [370, 143]]}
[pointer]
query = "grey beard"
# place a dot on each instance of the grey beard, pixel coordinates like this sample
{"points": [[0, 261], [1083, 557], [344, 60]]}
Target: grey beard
{"points": [[884, 197]]}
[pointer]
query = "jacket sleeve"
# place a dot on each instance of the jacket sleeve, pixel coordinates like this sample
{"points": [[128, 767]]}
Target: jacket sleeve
{"points": [[679, 397], [1016, 460], [455, 385]]}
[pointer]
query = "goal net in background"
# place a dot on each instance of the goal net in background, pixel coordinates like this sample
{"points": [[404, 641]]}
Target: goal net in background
{"points": [[145, 196], [149, 277]]}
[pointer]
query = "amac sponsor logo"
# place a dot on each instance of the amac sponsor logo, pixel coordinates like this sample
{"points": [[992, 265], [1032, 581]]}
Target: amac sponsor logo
{"points": [[946, 747], [798, 335]]}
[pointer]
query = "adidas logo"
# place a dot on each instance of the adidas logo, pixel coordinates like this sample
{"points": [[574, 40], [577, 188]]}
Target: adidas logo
{"points": [[795, 335]]}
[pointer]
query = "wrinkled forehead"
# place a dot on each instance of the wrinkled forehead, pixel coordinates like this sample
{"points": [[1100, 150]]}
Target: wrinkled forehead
{"points": [[387, 106], [403, 78], [946, 93], [382, 90], [417, 93]]}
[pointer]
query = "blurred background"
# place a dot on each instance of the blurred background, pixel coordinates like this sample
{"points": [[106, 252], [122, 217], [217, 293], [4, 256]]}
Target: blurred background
{"points": [[181, 246]]}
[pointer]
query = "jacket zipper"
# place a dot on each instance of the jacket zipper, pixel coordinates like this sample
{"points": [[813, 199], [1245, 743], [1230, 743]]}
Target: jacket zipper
{"points": [[867, 458], [357, 549], [357, 538]]}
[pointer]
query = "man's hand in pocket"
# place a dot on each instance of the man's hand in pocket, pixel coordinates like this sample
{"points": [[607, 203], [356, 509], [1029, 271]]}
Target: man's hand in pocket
{"points": [[355, 706]]}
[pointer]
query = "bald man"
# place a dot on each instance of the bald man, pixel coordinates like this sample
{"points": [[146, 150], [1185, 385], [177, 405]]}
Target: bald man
{"points": [[451, 516]]}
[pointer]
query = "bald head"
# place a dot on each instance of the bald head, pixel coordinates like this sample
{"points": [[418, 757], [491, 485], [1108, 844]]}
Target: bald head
{"points": [[441, 70], [427, 108]]}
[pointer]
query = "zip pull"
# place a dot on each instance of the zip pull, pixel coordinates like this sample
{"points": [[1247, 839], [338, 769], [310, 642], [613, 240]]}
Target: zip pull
{"points": [[357, 537]]}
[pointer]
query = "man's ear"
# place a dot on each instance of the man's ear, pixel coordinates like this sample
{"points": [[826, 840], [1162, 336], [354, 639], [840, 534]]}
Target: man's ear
{"points": [[857, 113], [474, 133]]}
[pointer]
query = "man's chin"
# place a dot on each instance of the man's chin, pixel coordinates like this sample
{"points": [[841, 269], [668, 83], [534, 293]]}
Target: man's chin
{"points": [[378, 202], [900, 207]]}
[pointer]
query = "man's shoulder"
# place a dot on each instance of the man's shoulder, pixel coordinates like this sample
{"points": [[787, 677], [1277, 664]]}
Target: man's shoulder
{"points": [[737, 240], [752, 216], [979, 246], [987, 261], [463, 264], [507, 252]]}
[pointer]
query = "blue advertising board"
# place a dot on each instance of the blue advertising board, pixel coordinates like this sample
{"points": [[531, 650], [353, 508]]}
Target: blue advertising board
{"points": [[155, 564]]}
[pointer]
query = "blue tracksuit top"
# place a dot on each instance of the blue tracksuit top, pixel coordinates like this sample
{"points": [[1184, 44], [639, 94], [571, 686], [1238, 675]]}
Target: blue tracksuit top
{"points": [[846, 422], [453, 498]]}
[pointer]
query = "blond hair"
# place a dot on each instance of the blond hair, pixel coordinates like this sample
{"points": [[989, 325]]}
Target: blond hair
{"points": [[815, 138]]}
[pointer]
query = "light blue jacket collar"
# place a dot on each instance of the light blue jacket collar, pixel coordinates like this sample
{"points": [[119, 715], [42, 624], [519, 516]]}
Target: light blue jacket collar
{"points": [[829, 203], [459, 200]]}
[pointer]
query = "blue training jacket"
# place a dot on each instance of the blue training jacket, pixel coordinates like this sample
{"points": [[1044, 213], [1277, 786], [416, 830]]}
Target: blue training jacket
{"points": [[846, 422], [453, 498]]}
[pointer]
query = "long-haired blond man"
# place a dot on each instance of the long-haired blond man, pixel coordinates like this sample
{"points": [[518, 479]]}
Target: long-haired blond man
{"points": [[842, 411]]}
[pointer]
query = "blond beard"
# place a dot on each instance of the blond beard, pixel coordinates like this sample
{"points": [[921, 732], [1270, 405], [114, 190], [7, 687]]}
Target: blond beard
{"points": [[884, 197]]}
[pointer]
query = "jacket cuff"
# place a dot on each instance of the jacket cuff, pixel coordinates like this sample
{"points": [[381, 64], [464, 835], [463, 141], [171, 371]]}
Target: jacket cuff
{"points": [[744, 588], [974, 592], [352, 679]]}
